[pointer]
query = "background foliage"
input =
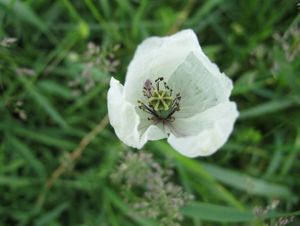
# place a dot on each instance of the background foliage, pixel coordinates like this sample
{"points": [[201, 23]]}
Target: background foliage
{"points": [[57, 150]]}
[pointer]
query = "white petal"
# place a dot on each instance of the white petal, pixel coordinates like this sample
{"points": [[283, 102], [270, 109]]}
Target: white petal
{"points": [[158, 57], [114, 100], [125, 120], [153, 132], [118, 110], [212, 129], [198, 87], [213, 69]]}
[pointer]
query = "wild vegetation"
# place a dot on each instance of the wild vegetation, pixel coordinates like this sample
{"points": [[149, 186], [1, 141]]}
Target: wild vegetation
{"points": [[60, 160]]}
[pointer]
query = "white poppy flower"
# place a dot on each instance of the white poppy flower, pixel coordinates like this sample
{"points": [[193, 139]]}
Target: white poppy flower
{"points": [[172, 90]]}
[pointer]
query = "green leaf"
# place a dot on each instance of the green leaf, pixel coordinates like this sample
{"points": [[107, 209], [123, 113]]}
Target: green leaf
{"points": [[211, 212], [45, 138], [25, 13], [247, 183], [27, 154], [266, 108], [15, 182], [43, 102], [51, 215], [55, 89], [217, 213]]}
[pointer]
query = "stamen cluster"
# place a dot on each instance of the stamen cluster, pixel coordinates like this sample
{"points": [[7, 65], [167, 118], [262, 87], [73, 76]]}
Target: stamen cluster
{"points": [[161, 103]]}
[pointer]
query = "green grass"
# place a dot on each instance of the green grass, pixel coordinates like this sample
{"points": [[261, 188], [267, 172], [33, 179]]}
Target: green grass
{"points": [[46, 111]]}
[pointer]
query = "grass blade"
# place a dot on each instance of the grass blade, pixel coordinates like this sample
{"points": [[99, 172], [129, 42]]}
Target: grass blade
{"points": [[248, 183], [217, 213], [27, 154], [43, 102]]}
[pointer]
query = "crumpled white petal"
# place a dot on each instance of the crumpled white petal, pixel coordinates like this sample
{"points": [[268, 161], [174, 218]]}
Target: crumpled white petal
{"points": [[211, 130], [125, 120], [198, 87], [158, 56]]}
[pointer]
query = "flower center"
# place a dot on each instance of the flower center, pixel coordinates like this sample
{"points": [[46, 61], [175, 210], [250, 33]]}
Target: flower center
{"points": [[161, 103]]}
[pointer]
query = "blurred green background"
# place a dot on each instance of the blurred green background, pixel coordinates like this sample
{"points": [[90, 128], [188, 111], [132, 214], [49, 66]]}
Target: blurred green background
{"points": [[57, 150]]}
